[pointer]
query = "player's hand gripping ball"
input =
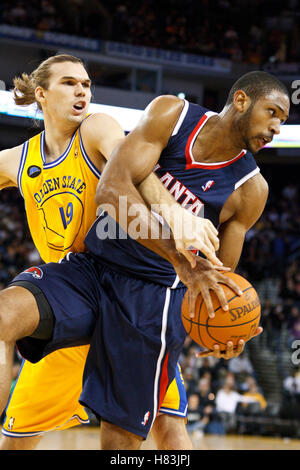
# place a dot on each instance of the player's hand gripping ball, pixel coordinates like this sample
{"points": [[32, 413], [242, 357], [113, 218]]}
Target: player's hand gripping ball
{"points": [[239, 322]]}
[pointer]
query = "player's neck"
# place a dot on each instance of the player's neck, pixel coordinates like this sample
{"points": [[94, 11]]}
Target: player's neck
{"points": [[57, 138], [216, 141]]}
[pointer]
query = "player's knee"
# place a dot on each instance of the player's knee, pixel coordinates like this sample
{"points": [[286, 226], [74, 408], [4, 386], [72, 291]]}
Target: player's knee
{"points": [[10, 321], [7, 328], [170, 433]]}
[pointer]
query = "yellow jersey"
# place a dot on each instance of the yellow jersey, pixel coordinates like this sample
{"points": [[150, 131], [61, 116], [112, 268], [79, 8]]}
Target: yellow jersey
{"points": [[59, 196]]}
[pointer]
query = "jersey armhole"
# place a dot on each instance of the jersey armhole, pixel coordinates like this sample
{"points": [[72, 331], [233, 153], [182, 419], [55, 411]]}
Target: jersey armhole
{"points": [[247, 177], [181, 118], [86, 158], [21, 167]]}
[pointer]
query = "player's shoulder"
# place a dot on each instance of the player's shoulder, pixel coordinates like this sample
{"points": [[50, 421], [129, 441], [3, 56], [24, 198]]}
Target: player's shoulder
{"points": [[256, 186], [165, 104], [98, 119], [99, 126], [160, 117]]}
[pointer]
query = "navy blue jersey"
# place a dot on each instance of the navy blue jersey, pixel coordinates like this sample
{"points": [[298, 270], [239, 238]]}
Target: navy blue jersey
{"points": [[201, 188]]}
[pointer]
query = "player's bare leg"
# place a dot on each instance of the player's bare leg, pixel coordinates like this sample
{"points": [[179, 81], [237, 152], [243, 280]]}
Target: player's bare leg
{"points": [[17, 443], [114, 438], [19, 317], [169, 433]]}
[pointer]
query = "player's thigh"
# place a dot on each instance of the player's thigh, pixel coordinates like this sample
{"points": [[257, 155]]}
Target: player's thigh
{"points": [[19, 313]]}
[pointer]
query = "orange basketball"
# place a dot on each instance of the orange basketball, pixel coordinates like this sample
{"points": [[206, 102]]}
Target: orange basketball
{"points": [[239, 322]]}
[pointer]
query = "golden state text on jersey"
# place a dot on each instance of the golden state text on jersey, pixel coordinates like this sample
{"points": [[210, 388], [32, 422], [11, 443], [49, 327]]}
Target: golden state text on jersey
{"points": [[58, 196]]}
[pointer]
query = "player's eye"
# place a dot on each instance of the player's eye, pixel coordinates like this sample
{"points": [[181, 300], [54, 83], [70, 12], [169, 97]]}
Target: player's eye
{"points": [[272, 111]]}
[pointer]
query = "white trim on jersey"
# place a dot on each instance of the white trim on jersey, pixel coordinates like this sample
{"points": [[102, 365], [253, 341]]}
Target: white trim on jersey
{"points": [[5, 432], [22, 165], [208, 115], [163, 345], [181, 117], [162, 351], [173, 412], [246, 177], [176, 282]]}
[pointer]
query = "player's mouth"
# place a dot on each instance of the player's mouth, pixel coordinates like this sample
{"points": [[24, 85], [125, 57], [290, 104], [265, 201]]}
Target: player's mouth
{"points": [[264, 140], [78, 107]]}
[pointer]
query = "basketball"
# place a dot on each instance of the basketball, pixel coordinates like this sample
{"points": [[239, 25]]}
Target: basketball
{"points": [[239, 322]]}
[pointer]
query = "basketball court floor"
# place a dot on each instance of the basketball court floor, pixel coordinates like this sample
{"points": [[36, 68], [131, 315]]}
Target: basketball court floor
{"points": [[87, 438]]}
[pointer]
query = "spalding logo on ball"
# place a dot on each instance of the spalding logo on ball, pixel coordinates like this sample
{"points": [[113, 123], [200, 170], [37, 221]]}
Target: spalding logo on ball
{"points": [[239, 322]]}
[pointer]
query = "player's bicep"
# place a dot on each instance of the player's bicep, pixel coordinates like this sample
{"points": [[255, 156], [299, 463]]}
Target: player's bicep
{"points": [[9, 166], [139, 152], [249, 207]]}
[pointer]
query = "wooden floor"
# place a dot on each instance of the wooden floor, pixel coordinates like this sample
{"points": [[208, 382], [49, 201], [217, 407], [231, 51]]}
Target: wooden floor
{"points": [[87, 438]]}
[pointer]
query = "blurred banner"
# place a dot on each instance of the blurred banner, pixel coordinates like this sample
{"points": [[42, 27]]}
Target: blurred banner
{"points": [[128, 118]]}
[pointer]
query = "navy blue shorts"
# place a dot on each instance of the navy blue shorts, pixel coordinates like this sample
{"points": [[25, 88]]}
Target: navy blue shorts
{"points": [[135, 331]]}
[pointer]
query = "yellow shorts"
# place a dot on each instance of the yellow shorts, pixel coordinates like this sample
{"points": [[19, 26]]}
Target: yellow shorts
{"points": [[45, 396]]}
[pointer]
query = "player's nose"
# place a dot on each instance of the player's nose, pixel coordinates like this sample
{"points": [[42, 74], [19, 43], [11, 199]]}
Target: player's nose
{"points": [[79, 90], [275, 127]]}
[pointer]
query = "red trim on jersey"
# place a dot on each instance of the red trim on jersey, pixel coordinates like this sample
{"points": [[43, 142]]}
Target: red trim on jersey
{"points": [[164, 381], [190, 163]]}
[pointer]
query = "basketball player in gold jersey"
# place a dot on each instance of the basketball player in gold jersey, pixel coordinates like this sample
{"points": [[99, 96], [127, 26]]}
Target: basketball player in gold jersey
{"points": [[57, 172]]}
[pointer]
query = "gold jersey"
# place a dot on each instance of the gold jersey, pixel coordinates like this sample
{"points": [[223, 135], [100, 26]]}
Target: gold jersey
{"points": [[59, 196]]}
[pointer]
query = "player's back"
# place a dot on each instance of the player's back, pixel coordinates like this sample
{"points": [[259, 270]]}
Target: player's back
{"points": [[59, 196]]}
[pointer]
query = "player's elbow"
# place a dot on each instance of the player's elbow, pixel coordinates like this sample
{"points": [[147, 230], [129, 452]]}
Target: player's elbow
{"points": [[105, 193]]}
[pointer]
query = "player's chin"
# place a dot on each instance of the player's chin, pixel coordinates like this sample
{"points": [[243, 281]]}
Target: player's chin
{"points": [[77, 118]]}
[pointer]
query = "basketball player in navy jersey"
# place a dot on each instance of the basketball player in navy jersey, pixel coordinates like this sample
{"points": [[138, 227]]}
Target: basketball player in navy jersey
{"points": [[136, 286], [208, 157]]}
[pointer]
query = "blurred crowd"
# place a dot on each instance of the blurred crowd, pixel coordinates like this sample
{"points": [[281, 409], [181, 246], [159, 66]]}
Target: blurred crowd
{"points": [[252, 31]]}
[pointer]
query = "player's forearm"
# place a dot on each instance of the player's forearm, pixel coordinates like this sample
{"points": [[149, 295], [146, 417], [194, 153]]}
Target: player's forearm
{"points": [[159, 199], [232, 238]]}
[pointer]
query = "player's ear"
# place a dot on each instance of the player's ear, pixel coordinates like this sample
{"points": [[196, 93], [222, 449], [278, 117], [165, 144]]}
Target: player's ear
{"points": [[39, 94], [241, 101]]}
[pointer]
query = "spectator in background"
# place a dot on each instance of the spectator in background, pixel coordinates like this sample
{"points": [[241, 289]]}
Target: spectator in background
{"points": [[196, 420], [227, 397], [254, 393], [293, 325], [276, 321], [241, 365], [190, 381], [291, 383]]}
